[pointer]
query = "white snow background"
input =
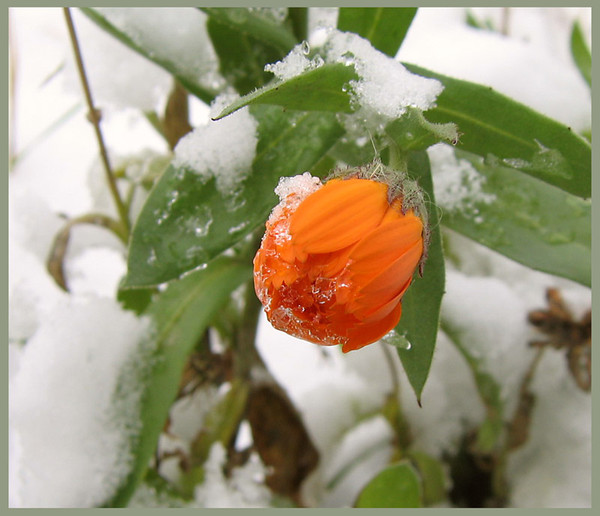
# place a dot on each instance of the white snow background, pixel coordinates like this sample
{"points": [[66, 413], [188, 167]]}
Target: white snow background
{"points": [[68, 443]]}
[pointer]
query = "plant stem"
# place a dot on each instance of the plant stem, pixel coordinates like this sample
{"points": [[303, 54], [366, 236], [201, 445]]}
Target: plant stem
{"points": [[94, 117], [246, 355], [393, 372], [398, 159]]}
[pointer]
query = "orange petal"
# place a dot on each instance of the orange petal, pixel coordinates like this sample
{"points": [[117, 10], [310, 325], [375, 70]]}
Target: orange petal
{"points": [[383, 246], [338, 214], [397, 274], [363, 334]]}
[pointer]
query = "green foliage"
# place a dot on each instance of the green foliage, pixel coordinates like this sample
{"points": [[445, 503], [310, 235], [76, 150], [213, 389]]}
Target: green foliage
{"points": [[527, 220], [581, 53], [320, 89], [421, 303], [181, 315], [186, 221], [492, 124], [384, 27], [490, 430], [397, 485], [172, 64], [536, 177]]}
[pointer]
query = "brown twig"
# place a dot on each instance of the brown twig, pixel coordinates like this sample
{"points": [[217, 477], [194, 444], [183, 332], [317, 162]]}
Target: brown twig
{"points": [[56, 257], [94, 117]]}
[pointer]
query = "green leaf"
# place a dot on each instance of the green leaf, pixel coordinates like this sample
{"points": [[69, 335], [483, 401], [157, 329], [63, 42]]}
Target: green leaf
{"points": [[422, 301], [186, 221], [488, 389], [521, 138], [413, 132], [525, 219], [174, 64], [384, 27], [242, 58], [181, 315], [397, 485], [222, 422], [320, 89], [581, 53], [258, 27], [298, 19], [432, 475]]}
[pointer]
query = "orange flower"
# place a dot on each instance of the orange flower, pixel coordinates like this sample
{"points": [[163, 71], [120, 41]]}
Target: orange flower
{"points": [[333, 266]]}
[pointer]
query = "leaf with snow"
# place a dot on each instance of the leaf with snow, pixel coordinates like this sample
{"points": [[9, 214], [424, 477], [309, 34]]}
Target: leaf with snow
{"points": [[355, 76], [517, 215], [519, 137], [75, 404], [149, 32], [422, 301], [211, 196], [181, 314]]}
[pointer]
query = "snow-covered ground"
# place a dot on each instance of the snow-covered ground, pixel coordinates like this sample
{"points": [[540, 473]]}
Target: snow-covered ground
{"points": [[63, 453]]}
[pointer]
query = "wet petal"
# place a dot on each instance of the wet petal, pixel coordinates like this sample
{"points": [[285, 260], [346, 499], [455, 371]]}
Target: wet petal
{"points": [[363, 334]]}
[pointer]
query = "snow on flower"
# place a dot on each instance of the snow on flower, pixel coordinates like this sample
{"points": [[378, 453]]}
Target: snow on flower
{"points": [[333, 267]]}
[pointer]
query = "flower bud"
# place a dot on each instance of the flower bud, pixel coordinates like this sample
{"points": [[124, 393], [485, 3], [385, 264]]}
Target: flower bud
{"points": [[334, 264]]}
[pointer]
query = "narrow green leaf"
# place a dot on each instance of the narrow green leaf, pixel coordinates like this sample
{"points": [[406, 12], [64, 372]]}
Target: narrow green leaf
{"points": [[174, 64], [524, 219], [261, 28], [488, 389], [413, 132], [397, 485], [384, 27], [320, 89], [242, 57], [223, 421], [186, 221], [298, 19], [432, 475], [521, 138], [181, 315], [422, 301], [581, 53]]}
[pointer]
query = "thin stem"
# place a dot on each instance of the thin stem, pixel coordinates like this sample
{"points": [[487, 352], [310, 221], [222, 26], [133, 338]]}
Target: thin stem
{"points": [[398, 159], [393, 372], [246, 354], [94, 117]]}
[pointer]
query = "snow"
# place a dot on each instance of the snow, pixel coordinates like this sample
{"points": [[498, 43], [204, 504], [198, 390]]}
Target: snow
{"points": [[67, 352], [245, 489], [63, 409], [506, 63], [224, 149], [385, 88], [457, 184], [171, 34]]}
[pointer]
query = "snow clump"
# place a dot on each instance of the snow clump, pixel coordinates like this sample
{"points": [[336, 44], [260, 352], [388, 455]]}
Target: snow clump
{"points": [[224, 148]]}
